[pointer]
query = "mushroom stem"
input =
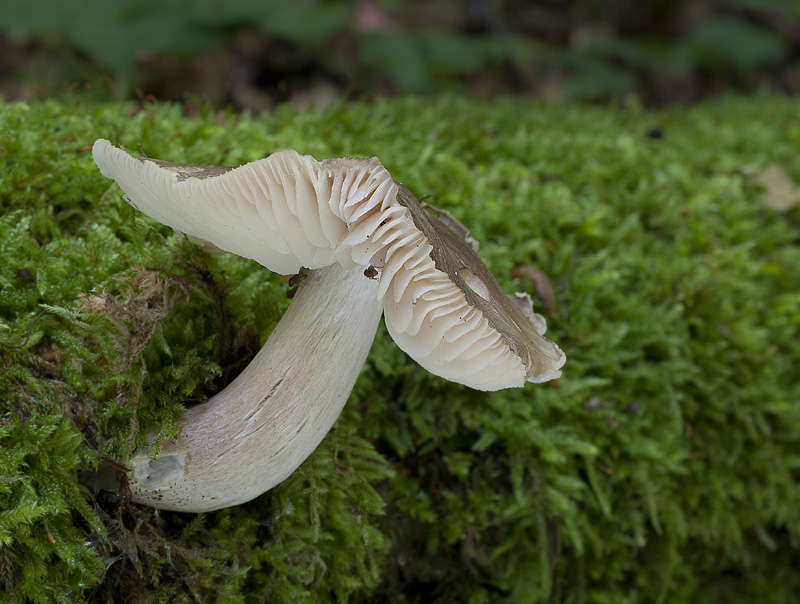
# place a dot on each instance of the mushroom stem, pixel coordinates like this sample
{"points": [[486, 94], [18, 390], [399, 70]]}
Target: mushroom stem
{"points": [[258, 430]]}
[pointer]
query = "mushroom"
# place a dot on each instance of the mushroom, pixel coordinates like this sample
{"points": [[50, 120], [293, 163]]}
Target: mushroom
{"points": [[371, 248]]}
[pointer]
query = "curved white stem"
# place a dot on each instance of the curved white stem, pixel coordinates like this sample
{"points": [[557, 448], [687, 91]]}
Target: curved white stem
{"points": [[258, 430]]}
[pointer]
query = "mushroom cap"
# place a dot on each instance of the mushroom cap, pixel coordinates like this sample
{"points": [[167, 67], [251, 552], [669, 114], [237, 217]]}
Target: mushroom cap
{"points": [[449, 314], [442, 306], [268, 210]]}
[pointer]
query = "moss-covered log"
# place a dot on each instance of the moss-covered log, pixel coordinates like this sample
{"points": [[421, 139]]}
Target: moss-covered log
{"points": [[664, 466]]}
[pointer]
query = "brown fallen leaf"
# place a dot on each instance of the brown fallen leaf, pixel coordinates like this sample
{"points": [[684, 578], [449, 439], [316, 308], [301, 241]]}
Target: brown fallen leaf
{"points": [[541, 286], [780, 192]]}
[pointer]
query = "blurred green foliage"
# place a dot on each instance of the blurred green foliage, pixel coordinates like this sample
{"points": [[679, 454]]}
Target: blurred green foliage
{"points": [[419, 47], [113, 34], [663, 467]]}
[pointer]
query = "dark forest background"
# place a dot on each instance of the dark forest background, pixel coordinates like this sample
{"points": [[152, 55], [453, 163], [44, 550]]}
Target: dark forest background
{"points": [[257, 53]]}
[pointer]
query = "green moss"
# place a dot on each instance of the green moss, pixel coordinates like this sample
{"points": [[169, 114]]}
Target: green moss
{"points": [[662, 467]]}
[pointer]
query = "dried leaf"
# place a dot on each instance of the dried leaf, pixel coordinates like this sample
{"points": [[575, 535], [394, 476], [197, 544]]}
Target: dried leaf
{"points": [[780, 192], [541, 285], [454, 225]]}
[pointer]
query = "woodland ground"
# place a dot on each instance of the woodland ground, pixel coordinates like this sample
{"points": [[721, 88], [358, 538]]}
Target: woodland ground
{"points": [[662, 467]]}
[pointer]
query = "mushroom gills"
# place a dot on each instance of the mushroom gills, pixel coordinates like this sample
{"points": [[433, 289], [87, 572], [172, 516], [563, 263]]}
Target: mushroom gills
{"points": [[289, 211]]}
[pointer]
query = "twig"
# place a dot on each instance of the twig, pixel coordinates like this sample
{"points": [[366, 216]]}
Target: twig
{"points": [[27, 337]]}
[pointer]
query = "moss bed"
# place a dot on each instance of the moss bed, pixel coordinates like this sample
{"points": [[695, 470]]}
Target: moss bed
{"points": [[663, 467]]}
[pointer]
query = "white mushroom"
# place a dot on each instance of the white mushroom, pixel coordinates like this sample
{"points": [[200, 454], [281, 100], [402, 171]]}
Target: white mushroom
{"points": [[254, 433], [442, 306]]}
